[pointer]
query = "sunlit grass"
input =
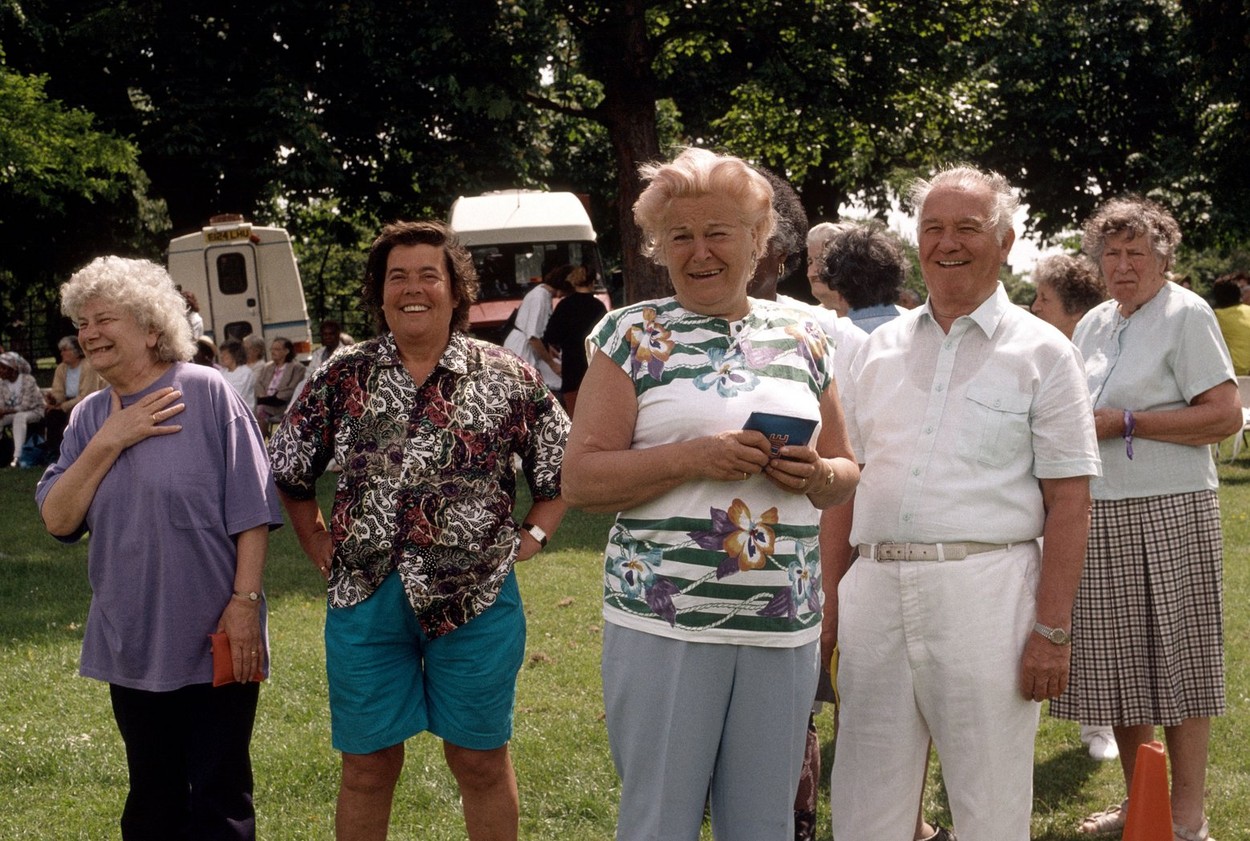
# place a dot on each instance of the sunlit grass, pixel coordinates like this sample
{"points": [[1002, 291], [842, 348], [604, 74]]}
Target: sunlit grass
{"points": [[62, 769]]}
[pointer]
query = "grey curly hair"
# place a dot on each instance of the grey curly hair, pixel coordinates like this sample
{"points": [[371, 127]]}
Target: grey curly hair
{"points": [[1135, 216], [144, 290]]}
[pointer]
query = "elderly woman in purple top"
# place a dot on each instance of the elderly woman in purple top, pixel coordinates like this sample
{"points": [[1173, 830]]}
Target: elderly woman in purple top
{"points": [[167, 470]]}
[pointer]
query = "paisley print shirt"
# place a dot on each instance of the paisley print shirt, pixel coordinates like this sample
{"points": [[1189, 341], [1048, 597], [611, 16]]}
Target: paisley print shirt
{"points": [[428, 480], [713, 561]]}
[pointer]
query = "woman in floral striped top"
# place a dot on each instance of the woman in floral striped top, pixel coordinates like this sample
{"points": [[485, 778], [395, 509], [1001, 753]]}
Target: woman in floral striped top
{"points": [[712, 583]]}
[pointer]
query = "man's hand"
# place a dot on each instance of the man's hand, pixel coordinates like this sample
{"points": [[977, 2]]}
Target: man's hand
{"points": [[1044, 668]]}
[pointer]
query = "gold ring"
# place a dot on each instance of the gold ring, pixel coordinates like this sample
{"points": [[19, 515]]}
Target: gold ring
{"points": [[154, 417], [745, 476]]}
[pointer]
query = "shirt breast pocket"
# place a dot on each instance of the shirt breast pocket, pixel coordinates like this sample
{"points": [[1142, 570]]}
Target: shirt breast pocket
{"points": [[996, 425]]}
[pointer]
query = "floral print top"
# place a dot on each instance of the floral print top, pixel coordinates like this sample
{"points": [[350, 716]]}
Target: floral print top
{"points": [[427, 484], [713, 561]]}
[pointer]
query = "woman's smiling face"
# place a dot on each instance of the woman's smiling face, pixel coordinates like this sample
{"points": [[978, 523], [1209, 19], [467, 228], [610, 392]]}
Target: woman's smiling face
{"points": [[710, 254]]}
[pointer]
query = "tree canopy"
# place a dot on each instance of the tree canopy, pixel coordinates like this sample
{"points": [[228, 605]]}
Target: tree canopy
{"points": [[332, 118]]}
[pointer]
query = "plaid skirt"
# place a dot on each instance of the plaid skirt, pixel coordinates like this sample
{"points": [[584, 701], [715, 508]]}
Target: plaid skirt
{"points": [[1147, 626]]}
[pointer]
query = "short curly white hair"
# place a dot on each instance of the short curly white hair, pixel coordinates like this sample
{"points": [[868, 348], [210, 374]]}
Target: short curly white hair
{"points": [[140, 287]]}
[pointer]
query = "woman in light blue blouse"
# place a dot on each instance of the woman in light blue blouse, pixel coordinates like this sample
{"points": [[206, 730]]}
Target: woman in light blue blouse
{"points": [[712, 571], [1147, 639]]}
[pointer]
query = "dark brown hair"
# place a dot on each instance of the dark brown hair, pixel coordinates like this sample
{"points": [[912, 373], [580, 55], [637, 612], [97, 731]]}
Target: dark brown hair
{"points": [[464, 282]]}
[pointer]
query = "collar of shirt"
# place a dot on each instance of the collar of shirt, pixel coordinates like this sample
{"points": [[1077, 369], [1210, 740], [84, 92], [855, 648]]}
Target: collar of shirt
{"points": [[987, 316], [455, 356]]}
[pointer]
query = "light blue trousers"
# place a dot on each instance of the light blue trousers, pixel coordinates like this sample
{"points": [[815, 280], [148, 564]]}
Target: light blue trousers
{"points": [[693, 722]]}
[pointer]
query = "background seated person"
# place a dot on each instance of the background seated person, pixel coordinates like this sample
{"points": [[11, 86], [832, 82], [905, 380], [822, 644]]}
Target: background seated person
{"points": [[73, 380]]}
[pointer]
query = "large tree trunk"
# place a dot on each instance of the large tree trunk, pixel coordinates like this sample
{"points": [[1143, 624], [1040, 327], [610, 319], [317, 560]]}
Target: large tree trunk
{"points": [[628, 111]]}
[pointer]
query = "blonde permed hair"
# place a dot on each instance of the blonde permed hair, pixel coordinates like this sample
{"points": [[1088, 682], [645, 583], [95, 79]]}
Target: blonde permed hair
{"points": [[699, 172], [144, 290]]}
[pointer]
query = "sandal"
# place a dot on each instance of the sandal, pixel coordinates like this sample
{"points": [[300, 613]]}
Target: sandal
{"points": [[1110, 821], [1202, 833]]}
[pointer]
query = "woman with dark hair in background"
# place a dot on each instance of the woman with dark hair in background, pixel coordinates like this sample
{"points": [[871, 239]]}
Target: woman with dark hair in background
{"points": [[863, 263], [276, 382]]}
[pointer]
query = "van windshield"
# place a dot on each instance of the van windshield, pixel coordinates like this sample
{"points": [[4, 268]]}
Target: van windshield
{"points": [[510, 270]]}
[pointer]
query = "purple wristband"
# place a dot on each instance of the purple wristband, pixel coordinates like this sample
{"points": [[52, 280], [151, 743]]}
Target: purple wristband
{"points": [[1130, 424]]}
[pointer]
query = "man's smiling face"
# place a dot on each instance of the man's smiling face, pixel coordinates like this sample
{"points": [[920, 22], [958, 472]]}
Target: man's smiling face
{"points": [[960, 254]]}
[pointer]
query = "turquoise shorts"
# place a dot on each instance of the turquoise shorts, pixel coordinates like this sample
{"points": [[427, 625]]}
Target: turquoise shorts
{"points": [[389, 681]]}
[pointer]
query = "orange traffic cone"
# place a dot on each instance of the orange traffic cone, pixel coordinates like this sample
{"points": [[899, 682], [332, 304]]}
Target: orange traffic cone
{"points": [[1149, 799]]}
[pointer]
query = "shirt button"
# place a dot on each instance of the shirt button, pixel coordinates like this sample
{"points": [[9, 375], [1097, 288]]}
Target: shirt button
{"points": [[940, 388], [915, 471], [928, 430], [906, 518], [998, 403]]}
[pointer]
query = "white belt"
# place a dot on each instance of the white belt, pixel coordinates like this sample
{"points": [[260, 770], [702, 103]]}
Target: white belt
{"points": [[926, 551]]}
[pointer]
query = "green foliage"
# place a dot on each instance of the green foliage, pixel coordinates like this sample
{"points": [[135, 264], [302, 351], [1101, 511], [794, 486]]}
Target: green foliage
{"points": [[67, 189], [51, 152], [383, 110]]}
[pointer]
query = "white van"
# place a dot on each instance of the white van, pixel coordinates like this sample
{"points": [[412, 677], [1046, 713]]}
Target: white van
{"points": [[245, 279], [516, 237]]}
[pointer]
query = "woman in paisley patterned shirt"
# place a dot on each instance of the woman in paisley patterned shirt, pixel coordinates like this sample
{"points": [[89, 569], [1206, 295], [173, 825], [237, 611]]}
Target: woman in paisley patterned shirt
{"points": [[424, 628], [712, 571]]}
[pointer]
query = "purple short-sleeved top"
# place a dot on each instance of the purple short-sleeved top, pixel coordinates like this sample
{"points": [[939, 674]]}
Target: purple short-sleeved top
{"points": [[161, 559]]}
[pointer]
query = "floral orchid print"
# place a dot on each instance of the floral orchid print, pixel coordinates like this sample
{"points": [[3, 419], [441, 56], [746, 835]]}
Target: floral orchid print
{"points": [[748, 542], [650, 345]]}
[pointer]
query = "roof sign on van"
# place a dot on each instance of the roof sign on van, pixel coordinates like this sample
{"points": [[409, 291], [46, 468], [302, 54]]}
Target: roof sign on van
{"points": [[230, 234]]}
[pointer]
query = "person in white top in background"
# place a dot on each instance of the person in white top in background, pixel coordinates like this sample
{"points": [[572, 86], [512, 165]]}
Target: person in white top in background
{"points": [[237, 373], [525, 339]]}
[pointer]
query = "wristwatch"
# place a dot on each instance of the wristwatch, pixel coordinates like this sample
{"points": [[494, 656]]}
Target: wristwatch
{"points": [[1056, 635], [251, 596], [536, 532]]}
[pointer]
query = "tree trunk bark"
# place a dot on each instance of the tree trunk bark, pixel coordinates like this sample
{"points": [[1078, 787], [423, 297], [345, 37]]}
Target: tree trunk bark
{"points": [[628, 111]]}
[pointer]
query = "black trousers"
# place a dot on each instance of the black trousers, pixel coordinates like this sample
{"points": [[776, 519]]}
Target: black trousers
{"points": [[190, 767]]}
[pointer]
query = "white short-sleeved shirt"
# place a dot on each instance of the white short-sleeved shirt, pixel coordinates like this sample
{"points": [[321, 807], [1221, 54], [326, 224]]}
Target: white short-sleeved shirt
{"points": [[1163, 356], [955, 430], [531, 322]]}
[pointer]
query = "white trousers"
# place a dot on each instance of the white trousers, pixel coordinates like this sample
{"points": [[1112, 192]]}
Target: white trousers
{"points": [[19, 420], [932, 650]]}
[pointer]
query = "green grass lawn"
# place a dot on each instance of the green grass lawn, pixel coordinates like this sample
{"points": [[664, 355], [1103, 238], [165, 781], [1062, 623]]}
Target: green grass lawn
{"points": [[62, 768]]}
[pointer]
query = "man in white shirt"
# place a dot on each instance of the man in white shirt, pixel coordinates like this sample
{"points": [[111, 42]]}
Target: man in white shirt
{"points": [[973, 424]]}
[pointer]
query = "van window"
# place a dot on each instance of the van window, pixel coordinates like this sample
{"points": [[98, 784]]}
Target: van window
{"points": [[511, 270], [232, 273]]}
